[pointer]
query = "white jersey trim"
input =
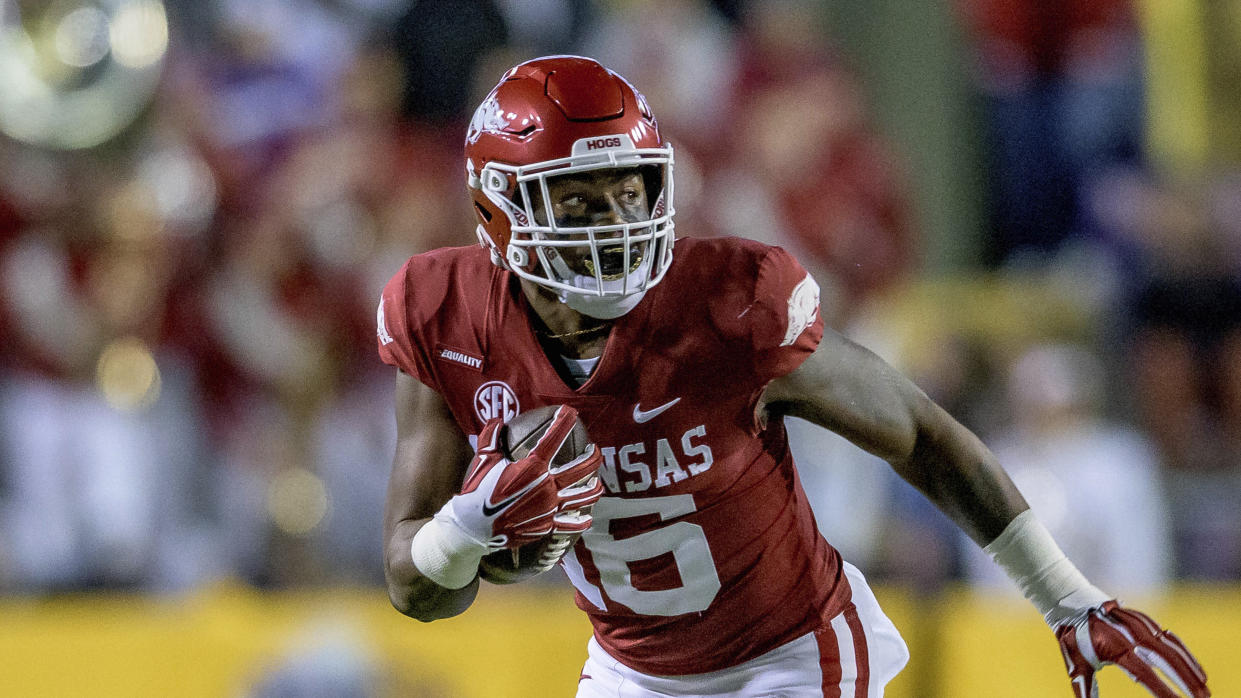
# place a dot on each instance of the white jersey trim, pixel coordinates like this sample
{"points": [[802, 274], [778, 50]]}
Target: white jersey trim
{"points": [[573, 570]]}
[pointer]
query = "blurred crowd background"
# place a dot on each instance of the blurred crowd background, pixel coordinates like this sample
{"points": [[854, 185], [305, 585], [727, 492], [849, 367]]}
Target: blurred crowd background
{"points": [[1033, 207]]}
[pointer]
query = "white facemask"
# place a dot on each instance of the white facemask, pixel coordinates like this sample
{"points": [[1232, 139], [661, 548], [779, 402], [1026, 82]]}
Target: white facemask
{"points": [[604, 307], [534, 248]]}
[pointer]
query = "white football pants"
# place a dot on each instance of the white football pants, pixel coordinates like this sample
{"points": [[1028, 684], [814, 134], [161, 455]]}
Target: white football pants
{"points": [[854, 656]]}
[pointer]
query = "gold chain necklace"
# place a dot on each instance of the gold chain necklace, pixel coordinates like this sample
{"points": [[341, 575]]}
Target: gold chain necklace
{"points": [[576, 333]]}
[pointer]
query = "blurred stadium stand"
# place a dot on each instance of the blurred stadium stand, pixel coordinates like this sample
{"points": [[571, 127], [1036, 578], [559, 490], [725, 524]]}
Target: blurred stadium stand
{"points": [[200, 200]]}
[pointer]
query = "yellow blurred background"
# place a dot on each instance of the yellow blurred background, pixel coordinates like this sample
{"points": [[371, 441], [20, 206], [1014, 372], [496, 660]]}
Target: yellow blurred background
{"points": [[514, 643]]}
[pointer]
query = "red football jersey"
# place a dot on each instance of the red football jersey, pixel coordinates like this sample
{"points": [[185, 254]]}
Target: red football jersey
{"points": [[704, 552]]}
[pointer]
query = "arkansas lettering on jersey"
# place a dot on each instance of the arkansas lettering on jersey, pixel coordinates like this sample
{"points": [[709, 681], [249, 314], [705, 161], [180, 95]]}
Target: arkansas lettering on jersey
{"points": [[704, 554]]}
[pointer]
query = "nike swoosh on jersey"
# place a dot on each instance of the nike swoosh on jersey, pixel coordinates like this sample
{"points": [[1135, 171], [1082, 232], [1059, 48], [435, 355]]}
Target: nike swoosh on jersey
{"points": [[642, 417]]}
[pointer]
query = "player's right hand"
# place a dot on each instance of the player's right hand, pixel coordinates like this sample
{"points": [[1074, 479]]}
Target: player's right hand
{"points": [[1111, 634], [506, 504]]}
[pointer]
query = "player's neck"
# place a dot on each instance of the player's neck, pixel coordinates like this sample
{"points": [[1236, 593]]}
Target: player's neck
{"points": [[563, 330]]}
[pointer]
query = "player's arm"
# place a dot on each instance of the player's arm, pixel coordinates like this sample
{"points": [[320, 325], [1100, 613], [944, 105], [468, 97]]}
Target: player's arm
{"points": [[431, 459], [449, 506], [846, 388]]}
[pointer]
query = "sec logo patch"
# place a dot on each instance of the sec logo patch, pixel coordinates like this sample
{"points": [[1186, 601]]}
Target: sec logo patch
{"points": [[494, 399]]}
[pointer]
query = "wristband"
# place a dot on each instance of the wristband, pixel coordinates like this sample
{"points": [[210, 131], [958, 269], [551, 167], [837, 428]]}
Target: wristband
{"points": [[1030, 556], [444, 553]]}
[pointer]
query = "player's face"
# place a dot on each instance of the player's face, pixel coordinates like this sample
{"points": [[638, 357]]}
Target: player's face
{"points": [[598, 198]]}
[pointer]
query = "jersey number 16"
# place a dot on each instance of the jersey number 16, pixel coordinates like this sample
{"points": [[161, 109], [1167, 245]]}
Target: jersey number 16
{"points": [[686, 541]]}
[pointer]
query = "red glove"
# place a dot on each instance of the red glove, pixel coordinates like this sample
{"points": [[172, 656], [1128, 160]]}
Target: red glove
{"points": [[506, 504], [578, 488], [1109, 634]]}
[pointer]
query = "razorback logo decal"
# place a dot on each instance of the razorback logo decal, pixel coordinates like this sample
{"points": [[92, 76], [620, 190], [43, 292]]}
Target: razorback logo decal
{"points": [[488, 117], [382, 323], [803, 309]]}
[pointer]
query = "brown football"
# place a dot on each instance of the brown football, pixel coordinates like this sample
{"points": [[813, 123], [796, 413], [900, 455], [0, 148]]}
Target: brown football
{"points": [[517, 437], [522, 432]]}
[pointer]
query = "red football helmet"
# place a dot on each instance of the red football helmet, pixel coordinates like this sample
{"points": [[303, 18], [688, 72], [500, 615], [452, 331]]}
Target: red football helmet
{"points": [[565, 117]]}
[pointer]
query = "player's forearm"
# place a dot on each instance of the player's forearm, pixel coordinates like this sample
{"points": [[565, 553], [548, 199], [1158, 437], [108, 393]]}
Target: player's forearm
{"points": [[960, 475], [411, 592]]}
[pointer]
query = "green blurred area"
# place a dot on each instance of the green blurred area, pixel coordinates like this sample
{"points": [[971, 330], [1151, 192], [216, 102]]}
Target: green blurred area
{"points": [[911, 59]]}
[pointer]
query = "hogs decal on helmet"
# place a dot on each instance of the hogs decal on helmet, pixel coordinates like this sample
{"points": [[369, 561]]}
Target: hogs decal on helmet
{"points": [[549, 123]]}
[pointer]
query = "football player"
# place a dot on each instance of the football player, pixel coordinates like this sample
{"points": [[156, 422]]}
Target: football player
{"points": [[699, 564]]}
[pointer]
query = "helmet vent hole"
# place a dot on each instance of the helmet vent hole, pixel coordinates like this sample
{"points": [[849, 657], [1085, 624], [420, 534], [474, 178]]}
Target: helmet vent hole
{"points": [[483, 212], [525, 131]]}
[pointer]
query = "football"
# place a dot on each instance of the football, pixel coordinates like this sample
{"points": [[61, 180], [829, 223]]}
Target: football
{"points": [[517, 437]]}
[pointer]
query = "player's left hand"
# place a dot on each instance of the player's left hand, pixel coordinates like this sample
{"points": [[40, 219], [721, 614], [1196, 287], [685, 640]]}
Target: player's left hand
{"points": [[1111, 634]]}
